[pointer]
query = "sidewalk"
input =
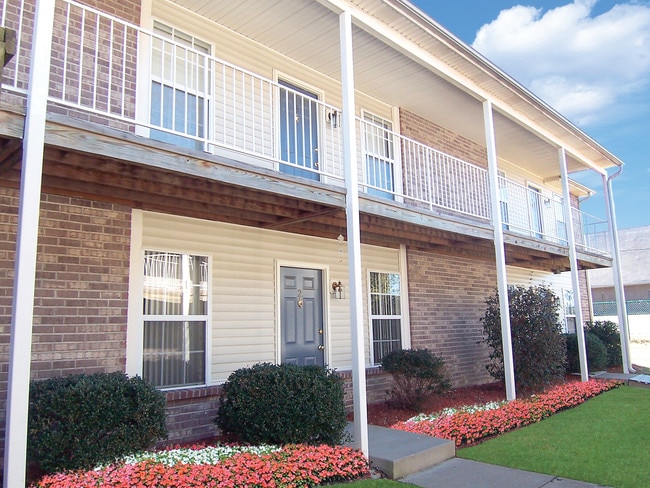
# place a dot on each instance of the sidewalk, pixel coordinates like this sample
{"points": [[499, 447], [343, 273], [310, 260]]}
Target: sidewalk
{"points": [[462, 473]]}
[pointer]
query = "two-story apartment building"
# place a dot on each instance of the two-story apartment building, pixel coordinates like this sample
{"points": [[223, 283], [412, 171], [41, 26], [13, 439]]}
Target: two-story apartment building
{"points": [[226, 183]]}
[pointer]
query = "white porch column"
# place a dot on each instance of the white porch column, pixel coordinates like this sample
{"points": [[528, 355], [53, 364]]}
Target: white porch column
{"points": [[573, 262], [354, 235], [27, 236], [621, 307], [499, 249]]}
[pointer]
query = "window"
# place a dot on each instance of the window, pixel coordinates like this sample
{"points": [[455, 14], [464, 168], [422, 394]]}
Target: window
{"points": [[179, 86], [503, 199], [175, 302], [379, 152], [385, 314], [569, 309]]}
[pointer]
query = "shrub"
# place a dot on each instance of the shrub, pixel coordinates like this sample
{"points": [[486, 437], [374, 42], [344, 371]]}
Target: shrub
{"points": [[417, 373], [608, 333], [283, 404], [538, 348], [77, 422], [596, 353]]}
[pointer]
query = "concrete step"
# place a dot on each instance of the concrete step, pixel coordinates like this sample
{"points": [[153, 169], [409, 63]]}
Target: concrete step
{"points": [[398, 453]]}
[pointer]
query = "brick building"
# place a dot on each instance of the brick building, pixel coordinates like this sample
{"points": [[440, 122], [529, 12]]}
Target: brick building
{"points": [[202, 177]]}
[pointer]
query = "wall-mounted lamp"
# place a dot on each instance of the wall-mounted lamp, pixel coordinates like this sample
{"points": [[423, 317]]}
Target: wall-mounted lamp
{"points": [[338, 290], [333, 118]]}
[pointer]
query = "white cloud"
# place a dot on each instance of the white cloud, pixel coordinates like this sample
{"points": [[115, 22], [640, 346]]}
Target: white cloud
{"points": [[586, 66]]}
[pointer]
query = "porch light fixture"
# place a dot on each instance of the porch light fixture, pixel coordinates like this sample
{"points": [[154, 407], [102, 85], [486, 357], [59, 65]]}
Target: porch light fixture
{"points": [[338, 290], [333, 118]]}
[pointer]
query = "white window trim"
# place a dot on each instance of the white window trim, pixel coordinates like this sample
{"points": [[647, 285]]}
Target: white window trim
{"points": [[403, 324], [135, 315], [397, 153]]}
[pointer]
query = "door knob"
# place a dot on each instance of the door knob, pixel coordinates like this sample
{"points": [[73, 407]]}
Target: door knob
{"points": [[321, 348]]}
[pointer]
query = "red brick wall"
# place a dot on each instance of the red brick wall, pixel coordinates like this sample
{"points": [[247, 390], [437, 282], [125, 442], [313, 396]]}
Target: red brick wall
{"points": [[426, 132], [447, 295], [80, 303]]}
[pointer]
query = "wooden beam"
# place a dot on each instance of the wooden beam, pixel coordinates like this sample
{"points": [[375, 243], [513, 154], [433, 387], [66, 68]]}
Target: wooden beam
{"points": [[11, 154]]}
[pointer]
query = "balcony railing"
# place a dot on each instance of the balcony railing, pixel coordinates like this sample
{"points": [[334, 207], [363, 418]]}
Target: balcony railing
{"points": [[185, 96]]}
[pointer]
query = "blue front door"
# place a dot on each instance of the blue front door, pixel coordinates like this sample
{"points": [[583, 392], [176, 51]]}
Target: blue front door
{"points": [[298, 131], [301, 317]]}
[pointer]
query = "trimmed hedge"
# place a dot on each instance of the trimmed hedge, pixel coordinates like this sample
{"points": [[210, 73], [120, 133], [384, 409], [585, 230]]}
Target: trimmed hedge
{"points": [[596, 353], [80, 421], [283, 404], [417, 373], [609, 334]]}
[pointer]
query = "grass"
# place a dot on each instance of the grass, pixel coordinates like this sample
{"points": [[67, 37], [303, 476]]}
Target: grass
{"points": [[601, 441]]}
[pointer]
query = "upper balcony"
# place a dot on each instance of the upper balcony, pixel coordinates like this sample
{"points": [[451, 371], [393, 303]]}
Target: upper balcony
{"points": [[166, 84]]}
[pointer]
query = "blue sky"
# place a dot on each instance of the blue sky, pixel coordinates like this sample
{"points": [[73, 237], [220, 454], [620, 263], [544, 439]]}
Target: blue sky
{"points": [[590, 60]]}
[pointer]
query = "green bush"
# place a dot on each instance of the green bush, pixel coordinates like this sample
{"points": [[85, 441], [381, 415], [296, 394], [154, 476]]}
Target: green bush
{"points": [[608, 333], [596, 353], [77, 422], [283, 404], [538, 348], [417, 373]]}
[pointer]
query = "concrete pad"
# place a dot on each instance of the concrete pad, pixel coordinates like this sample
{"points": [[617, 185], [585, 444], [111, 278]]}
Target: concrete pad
{"points": [[463, 473], [397, 453]]}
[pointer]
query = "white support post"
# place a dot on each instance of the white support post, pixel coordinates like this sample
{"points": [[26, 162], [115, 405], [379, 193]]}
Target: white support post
{"points": [[573, 262], [618, 275], [499, 249], [22, 317], [354, 235]]}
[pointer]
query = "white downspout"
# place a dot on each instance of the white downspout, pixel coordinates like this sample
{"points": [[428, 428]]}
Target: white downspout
{"points": [[499, 248], [618, 276], [573, 262], [354, 236], [22, 317]]}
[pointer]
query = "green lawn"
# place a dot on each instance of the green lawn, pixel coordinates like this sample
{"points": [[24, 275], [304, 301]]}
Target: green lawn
{"points": [[605, 440]]}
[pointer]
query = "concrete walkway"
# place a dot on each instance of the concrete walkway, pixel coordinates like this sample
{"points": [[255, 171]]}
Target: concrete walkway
{"points": [[431, 463], [462, 473]]}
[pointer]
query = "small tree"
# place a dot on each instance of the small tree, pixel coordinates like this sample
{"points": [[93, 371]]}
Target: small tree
{"points": [[538, 348], [417, 373]]}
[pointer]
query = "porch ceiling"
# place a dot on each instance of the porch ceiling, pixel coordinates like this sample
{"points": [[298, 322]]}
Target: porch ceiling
{"points": [[416, 81]]}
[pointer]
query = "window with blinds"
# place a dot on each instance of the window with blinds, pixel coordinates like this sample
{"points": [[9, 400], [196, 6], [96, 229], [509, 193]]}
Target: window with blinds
{"points": [[385, 314], [175, 310]]}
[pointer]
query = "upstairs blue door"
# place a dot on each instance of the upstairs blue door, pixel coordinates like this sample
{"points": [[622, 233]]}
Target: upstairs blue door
{"points": [[298, 131], [301, 317]]}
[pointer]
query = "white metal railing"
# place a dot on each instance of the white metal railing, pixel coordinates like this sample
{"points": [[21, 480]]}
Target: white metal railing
{"points": [[533, 212], [186, 96], [592, 233]]}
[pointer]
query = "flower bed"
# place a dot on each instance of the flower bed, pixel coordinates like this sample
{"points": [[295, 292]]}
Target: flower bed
{"points": [[469, 424], [290, 466]]}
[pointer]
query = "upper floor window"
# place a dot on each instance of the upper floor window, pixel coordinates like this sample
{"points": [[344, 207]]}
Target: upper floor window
{"points": [[180, 77], [175, 310], [385, 314], [380, 156]]}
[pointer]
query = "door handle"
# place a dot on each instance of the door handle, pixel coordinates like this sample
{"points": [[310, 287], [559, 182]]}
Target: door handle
{"points": [[321, 348]]}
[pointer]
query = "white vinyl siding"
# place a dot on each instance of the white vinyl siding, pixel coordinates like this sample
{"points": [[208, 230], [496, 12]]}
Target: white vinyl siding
{"points": [[243, 320], [559, 283]]}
